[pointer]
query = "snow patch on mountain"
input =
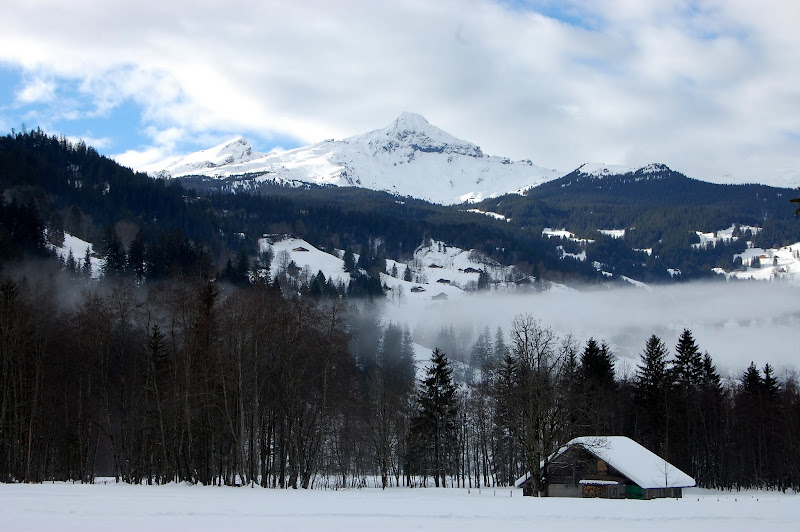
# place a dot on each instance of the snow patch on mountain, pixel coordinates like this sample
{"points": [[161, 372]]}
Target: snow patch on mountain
{"points": [[563, 233], [601, 170], [409, 157], [723, 235], [613, 233], [78, 248], [490, 214]]}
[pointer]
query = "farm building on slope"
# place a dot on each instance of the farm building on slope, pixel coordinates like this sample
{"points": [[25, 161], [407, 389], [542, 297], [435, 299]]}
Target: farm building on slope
{"points": [[612, 467]]}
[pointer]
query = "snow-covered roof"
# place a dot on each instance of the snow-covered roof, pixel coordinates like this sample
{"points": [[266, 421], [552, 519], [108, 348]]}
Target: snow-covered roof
{"points": [[645, 468]]}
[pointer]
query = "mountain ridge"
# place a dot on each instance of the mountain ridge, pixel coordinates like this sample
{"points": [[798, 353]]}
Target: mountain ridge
{"points": [[408, 157]]}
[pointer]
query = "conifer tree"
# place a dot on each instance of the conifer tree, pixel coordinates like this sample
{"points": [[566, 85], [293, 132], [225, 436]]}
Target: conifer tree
{"points": [[113, 254], [349, 261], [597, 366], [770, 384], [752, 384], [685, 431], [86, 268], [710, 410], [433, 428], [70, 264], [651, 390], [242, 267], [265, 261], [407, 274], [482, 356], [687, 367], [709, 377], [407, 368], [136, 255], [505, 419], [500, 350]]}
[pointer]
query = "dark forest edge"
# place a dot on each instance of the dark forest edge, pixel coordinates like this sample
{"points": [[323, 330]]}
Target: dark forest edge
{"points": [[215, 384]]}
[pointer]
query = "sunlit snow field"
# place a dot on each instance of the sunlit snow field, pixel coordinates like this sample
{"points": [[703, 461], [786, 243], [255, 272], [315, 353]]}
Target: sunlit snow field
{"points": [[120, 507]]}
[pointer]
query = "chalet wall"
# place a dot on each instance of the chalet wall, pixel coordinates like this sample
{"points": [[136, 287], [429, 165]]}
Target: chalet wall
{"points": [[564, 490]]}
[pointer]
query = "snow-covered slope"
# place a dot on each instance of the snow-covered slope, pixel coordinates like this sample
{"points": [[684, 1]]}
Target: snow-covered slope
{"points": [[78, 248], [409, 157], [771, 264], [438, 272], [233, 152]]}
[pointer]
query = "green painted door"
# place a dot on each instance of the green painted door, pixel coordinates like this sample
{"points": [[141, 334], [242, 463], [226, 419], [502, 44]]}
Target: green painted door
{"points": [[634, 492]]}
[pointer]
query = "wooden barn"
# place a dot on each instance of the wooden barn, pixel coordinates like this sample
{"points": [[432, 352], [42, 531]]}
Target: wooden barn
{"points": [[611, 467]]}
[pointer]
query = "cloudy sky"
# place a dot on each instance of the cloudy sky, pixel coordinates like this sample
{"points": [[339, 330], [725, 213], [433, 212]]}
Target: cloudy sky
{"points": [[711, 88]]}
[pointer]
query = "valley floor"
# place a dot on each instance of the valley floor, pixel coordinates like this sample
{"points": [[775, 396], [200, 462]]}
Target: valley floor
{"points": [[119, 507]]}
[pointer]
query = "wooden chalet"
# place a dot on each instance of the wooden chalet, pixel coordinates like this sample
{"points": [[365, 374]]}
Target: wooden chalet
{"points": [[610, 467]]}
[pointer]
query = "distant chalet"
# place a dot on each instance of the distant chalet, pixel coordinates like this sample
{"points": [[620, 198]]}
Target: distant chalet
{"points": [[441, 296], [609, 467], [417, 290], [300, 249]]}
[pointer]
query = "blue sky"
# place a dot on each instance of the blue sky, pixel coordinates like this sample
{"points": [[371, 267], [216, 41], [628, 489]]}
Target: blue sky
{"points": [[709, 87], [74, 112], [71, 113]]}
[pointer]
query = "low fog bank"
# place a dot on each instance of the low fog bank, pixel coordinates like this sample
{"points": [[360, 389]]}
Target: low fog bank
{"points": [[735, 323]]}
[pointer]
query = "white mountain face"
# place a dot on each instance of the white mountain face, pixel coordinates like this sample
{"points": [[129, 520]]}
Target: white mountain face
{"points": [[409, 157], [600, 170]]}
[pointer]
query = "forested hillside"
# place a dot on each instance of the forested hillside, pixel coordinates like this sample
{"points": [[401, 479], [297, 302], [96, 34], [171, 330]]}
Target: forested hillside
{"points": [[661, 211], [195, 225], [194, 229]]}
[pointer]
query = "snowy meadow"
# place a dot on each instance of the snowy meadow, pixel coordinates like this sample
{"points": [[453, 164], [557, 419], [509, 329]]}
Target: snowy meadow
{"points": [[67, 507]]}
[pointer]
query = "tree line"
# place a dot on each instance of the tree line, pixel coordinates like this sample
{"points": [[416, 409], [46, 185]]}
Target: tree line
{"points": [[216, 384]]}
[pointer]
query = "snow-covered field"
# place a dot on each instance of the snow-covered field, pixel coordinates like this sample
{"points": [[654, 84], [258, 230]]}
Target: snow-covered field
{"points": [[67, 507]]}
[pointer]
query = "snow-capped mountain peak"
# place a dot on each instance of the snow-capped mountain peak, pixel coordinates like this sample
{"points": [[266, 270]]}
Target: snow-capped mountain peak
{"points": [[409, 157], [234, 151], [412, 131], [601, 170], [605, 170]]}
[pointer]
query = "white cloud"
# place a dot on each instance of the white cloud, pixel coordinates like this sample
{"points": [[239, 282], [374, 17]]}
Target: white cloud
{"points": [[36, 90], [90, 140], [710, 87], [140, 158]]}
